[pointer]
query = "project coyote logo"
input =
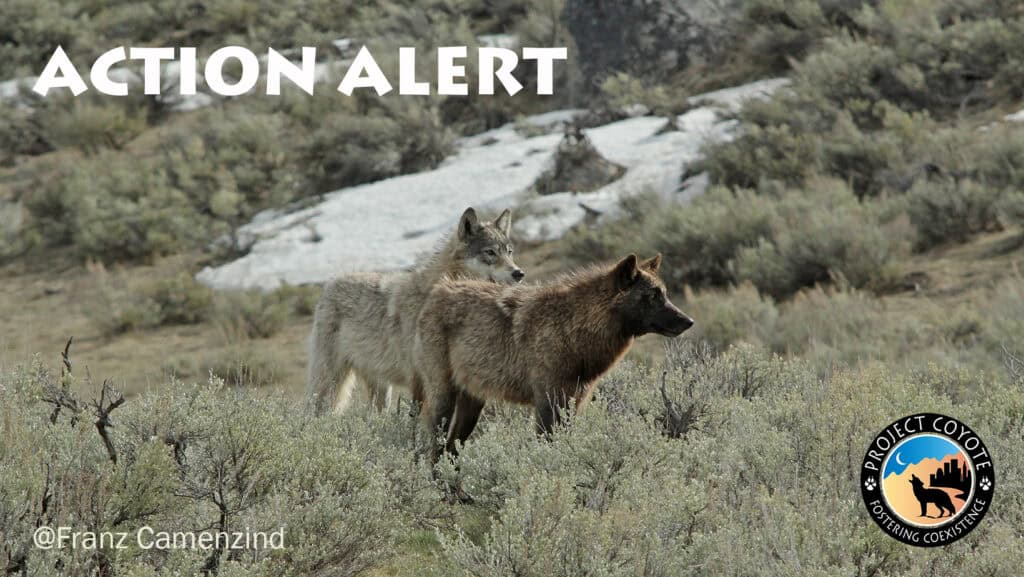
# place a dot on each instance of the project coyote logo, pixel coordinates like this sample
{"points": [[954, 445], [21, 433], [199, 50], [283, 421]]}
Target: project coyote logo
{"points": [[927, 480]]}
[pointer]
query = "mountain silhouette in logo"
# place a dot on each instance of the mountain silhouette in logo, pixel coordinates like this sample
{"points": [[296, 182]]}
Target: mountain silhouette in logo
{"points": [[954, 476]]}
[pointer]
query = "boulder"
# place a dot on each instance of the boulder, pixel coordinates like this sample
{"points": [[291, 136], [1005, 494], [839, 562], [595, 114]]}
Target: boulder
{"points": [[647, 38]]}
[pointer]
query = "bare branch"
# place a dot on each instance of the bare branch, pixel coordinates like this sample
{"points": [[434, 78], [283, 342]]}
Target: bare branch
{"points": [[678, 421], [66, 358], [59, 394], [110, 399], [1013, 363]]}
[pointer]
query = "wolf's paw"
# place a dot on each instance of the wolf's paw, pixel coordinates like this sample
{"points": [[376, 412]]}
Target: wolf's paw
{"points": [[984, 483], [870, 484]]}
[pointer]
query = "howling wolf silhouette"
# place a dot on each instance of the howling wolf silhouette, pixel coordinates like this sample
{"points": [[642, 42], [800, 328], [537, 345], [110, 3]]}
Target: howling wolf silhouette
{"points": [[937, 496]]}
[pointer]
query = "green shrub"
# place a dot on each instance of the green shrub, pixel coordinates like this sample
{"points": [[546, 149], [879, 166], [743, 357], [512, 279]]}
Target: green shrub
{"points": [[32, 29], [863, 107], [233, 165], [773, 153], [123, 305], [842, 327], [758, 479], [251, 314], [20, 134], [91, 127], [237, 365], [779, 243], [592, 500], [698, 240], [622, 90], [354, 148], [1011, 210], [301, 299], [951, 212], [738, 314], [120, 209], [817, 237], [199, 458], [779, 32], [125, 207]]}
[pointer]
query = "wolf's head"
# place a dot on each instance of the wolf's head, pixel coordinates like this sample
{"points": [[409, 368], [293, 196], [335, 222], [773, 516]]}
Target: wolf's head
{"points": [[484, 249], [917, 483], [643, 303]]}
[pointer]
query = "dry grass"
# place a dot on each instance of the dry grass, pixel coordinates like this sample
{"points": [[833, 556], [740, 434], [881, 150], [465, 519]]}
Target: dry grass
{"points": [[39, 310]]}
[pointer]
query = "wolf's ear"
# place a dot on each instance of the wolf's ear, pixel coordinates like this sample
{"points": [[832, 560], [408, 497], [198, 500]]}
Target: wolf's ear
{"points": [[468, 223], [504, 222], [625, 273], [652, 264]]}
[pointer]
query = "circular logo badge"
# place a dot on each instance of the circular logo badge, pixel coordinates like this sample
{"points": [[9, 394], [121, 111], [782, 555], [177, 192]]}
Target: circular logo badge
{"points": [[927, 480]]}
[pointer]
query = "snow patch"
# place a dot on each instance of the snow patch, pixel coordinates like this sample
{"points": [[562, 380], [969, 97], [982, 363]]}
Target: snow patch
{"points": [[388, 224]]}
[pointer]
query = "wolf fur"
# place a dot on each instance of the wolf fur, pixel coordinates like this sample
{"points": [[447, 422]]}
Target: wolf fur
{"points": [[365, 323], [937, 496], [543, 346]]}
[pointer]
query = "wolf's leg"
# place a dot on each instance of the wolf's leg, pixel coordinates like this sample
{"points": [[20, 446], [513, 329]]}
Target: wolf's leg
{"points": [[341, 392], [437, 414], [327, 386], [467, 413], [379, 392], [417, 392], [329, 378], [317, 370], [329, 390], [924, 508], [383, 399], [549, 409]]}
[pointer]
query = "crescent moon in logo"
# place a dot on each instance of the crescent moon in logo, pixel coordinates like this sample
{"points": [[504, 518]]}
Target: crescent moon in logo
{"points": [[898, 461]]}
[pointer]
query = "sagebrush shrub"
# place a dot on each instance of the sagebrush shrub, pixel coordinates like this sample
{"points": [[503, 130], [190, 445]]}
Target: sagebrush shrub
{"points": [[122, 305], [698, 239], [251, 314], [90, 126], [816, 237], [1011, 210], [729, 316], [195, 458], [949, 212], [780, 242], [349, 148], [765, 475]]}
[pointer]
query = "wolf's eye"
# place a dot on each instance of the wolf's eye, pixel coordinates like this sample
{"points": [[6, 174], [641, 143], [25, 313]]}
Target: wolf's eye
{"points": [[490, 252]]}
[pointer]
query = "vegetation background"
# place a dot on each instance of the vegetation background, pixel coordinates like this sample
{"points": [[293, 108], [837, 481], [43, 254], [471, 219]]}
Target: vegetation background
{"points": [[855, 259]]}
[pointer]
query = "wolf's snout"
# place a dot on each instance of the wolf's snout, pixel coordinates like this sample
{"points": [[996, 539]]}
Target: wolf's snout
{"points": [[676, 323], [518, 274], [685, 322]]}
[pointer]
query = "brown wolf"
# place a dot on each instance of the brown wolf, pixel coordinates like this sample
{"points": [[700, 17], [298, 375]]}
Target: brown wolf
{"points": [[937, 496], [365, 323], [544, 346]]}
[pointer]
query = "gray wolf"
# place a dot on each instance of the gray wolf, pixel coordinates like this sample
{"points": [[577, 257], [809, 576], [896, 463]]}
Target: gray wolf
{"points": [[542, 346], [364, 324], [937, 496]]}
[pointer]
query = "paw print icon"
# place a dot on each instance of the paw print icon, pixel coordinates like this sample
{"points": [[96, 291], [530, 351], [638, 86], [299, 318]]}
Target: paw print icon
{"points": [[984, 483], [870, 484]]}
